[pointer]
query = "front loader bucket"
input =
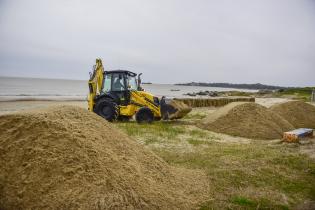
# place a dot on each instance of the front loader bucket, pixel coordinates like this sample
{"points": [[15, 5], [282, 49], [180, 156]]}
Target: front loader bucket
{"points": [[173, 109]]}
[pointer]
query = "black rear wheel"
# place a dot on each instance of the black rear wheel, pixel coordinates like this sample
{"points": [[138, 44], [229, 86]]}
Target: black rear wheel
{"points": [[106, 108], [144, 115]]}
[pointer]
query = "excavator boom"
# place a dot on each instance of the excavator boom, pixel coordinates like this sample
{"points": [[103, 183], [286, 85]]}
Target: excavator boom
{"points": [[95, 82]]}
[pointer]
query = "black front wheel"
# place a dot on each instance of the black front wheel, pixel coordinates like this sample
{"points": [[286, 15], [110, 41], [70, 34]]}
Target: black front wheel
{"points": [[106, 108], [144, 115]]}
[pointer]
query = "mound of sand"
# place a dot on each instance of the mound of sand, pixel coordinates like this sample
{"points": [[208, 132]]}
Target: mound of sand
{"points": [[248, 120], [182, 109], [68, 158], [298, 113]]}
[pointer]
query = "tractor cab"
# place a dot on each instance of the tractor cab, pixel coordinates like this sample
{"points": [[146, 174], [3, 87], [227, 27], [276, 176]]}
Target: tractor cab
{"points": [[119, 83]]}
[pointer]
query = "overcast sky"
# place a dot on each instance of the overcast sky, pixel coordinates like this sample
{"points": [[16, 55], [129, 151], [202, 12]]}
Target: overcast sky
{"points": [[170, 41]]}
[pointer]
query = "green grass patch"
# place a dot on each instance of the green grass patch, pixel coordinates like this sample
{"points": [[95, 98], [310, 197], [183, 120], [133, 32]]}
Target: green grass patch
{"points": [[243, 201], [240, 202], [297, 93], [198, 142], [197, 133], [152, 132], [200, 135], [247, 203]]}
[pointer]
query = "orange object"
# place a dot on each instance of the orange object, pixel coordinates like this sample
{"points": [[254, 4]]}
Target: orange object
{"points": [[296, 135]]}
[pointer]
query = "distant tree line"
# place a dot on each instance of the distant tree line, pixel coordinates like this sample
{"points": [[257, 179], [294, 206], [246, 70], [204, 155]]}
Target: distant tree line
{"points": [[256, 86]]}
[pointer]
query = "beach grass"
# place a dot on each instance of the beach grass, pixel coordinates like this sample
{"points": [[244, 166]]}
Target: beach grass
{"points": [[252, 175], [296, 93]]}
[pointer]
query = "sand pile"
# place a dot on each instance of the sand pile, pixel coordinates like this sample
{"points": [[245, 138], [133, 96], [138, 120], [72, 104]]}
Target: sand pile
{"points": [[248, 120], [68, 158], [298, 113], [182, 109]]}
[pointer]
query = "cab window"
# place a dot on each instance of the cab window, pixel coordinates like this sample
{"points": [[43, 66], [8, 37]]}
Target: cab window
{"points": [[118, 82], [107, 83], [132, 83]]}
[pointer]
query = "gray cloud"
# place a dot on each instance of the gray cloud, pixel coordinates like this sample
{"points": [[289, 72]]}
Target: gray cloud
{"points": [[244, 41]]}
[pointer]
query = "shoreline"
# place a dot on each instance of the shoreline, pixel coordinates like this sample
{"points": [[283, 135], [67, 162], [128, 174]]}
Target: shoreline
{"points": [[9, 107], [42, 98], [39, 99], [12, 106]]}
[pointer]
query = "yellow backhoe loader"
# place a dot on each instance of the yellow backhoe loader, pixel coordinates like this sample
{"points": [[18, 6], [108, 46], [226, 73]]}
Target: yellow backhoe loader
{"points": [[118, 95]]}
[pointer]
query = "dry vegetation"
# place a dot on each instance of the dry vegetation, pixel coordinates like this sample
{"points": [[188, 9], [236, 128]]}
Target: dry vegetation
{"points": [[243, 173]]}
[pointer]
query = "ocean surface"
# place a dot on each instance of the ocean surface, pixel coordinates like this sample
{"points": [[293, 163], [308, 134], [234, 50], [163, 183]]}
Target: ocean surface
{"points": [[60, 89]]}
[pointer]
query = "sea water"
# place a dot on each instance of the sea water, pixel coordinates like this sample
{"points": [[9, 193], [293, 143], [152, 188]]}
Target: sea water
{"points": [[12, 88]]}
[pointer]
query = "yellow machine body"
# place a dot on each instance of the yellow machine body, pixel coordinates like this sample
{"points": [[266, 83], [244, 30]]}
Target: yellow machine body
{"points": [[95, 83], [127, 107], [139, 97]]}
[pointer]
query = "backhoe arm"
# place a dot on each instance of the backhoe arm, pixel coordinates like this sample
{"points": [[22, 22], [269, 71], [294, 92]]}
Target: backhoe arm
{"points": [[95, 82], [141, 101]]}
